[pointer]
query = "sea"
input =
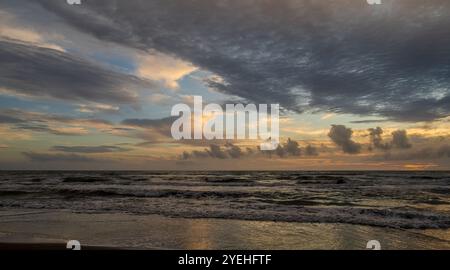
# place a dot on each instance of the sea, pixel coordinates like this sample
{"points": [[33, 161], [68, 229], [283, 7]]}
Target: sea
{"points": [[401, 200]]}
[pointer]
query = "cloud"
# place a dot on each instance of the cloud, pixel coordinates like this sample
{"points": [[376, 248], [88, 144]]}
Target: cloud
{"points": [[89, 149], [234, 151], [150, 123], [229, 150], [45, 157], [424, 153], [38, 72], [50, 123], [215, 151], [160, 99], [6, 119], [97, 108], [328, 116], [336, 56], [200, 154], [342, 137], [292, 148], [377, 140], [154, 130], [10, 30], [164, 68], [400, 139], [369, 121], [311, 151]]}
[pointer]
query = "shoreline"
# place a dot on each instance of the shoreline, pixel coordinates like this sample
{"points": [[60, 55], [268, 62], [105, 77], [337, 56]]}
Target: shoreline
{"points": [[50, 230], [46, 246]]}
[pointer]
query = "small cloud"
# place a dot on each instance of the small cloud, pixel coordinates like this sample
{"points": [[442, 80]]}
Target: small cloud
{"points": [[89, 149], [189, 100], [229, 150], [369, 121], [160, 99], [342, 136], [46, 157], [311, 151], [216, 151], [292, 148], [164, 68], [377, 140], [69, 131], [97, 107], [328, 116], [400, 139], [51, 123]]}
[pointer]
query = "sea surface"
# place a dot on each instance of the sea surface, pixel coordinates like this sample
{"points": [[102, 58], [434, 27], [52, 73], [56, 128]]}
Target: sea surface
{"points": [[406, 200]]}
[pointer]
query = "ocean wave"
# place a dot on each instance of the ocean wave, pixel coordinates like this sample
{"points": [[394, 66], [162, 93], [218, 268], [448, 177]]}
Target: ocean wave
{"points": [[14, 192], [365, 198], [162, 193], [84, 179]]}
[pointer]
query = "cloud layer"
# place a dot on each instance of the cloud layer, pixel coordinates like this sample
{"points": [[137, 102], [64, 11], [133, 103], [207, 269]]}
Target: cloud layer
{"points": [[342, 56], [41, 72]]}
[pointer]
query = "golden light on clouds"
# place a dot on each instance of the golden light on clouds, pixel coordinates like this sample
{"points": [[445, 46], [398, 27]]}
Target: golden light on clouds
{"points": [[164, 68], [419, 167], [11, 31]]}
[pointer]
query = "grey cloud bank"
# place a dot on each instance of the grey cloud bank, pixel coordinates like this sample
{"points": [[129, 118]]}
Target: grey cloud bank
{"points": [[41, 72], [342, 56]]}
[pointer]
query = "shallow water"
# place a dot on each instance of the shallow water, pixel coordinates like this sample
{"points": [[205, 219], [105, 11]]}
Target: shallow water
{"points": [[159, 232]]}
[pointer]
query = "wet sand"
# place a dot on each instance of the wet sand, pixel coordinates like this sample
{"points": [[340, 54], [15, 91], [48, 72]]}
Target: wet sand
{"points": [[34, 229]]}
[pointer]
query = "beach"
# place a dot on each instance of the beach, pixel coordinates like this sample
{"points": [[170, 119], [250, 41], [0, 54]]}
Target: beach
{"points": [[52, 229], [226, 210]]}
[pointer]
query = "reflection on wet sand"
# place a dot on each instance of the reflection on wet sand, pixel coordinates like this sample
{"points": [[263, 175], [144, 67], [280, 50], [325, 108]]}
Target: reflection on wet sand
{"points": [[154, 231]]}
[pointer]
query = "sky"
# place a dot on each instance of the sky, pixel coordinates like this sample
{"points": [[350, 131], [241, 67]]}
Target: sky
{"points": [[91, 86]]}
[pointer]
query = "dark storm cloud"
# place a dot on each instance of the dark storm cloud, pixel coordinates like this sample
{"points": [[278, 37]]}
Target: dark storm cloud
{"points": [[89, 149], [343, 56], [342, 137], [42, 72]]}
